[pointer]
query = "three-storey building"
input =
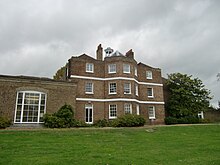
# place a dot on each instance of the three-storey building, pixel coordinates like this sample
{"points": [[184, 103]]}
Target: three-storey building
{"points": [[116, 85]]}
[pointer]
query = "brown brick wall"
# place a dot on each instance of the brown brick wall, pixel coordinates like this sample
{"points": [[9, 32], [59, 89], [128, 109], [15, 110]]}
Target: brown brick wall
{"points": [[58, 93]]}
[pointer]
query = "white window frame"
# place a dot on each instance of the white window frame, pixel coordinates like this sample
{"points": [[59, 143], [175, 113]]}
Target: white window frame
{"points": [[23, 104], [128, 108], [152, 115], [110, 87], [87, 106], [136, 89], [201, 115], [149, 75], [86, 87], [112, 68], [135, 71], [90, 67], [152, 91], [138, 109], [110, 106], [127, 89], [126, 68]]}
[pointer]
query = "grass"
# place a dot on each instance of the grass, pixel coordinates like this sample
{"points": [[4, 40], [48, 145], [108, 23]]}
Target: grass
{"points": [[186, 145]]}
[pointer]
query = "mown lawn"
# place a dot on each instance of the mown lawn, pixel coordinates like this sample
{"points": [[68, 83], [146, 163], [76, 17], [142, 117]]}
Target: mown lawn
{"points": [[138, 146]]}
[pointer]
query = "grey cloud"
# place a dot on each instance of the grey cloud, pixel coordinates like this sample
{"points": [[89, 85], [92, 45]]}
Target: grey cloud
{"points": [[177, 36]]}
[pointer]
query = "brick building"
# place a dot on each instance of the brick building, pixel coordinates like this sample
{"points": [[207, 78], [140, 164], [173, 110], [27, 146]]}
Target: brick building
{"points": [[102, 88], [25, 100], [111, 86]]}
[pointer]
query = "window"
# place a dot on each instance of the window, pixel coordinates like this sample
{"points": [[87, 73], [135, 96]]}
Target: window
{"points": [[89, 67], [112, 111], [150, 92], [151, 112], [149, 75], [89, 114], [128, 108], [30, 107], [127, 88], [135, 71], [89, 88], [112, 68], [136, 89], [112, 88], [138, 109], [126, 68], [201, 115]]}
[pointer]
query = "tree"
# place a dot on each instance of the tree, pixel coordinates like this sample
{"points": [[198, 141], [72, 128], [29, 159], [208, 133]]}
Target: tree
{"points": [[188, 95], [60, 74]]}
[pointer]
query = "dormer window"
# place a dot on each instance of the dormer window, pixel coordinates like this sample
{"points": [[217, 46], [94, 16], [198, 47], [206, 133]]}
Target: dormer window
{"points": [[126, 68], [149, 75], [90, 67]]}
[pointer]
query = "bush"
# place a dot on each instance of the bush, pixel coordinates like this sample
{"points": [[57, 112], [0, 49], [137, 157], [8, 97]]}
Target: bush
{"points": [[128, 120], [79, 123], [63, 118], [102, 123], [4, 122], [183, 120], [170, 120]]}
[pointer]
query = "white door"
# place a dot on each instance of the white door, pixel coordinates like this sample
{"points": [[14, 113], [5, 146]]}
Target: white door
{"points": [[89, 114]]}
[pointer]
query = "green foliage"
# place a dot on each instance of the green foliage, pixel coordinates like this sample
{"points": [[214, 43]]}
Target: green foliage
{"points": [[79, 123], [188, 96], [185, 120], [60, 74], [102, 123], [63, 118], [4, 122], [128, 120]]}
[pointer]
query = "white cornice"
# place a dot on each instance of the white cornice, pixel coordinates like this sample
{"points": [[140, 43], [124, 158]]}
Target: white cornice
{"points": [[115, 78], [119, 99]]}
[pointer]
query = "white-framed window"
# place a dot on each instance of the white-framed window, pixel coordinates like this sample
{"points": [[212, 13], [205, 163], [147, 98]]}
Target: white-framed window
{"points": [[112, 111], [30, 107], [151, 112], [201, 115], [127, 88], [112, 68], [112, 88], [150, 92], [89, 88], [126, 68], [138, 109], [128, 108], [149, 75], [90, 67], [136, 89], [89, 113], [135, 71]]}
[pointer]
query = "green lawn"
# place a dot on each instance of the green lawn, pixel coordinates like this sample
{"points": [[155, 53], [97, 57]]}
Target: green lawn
{"points": [[139, 146]]}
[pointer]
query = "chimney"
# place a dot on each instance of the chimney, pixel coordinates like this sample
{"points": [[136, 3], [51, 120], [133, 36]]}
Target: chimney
{"points": [[130, 54], [99, 52]]}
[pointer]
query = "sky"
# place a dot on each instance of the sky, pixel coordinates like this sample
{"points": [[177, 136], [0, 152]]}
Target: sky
{"points": [[38, 37]]}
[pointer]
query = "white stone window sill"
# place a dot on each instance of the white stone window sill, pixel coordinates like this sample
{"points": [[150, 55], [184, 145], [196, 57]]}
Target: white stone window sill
{"points": [[89, 93], [113, 117], [112, 93]]}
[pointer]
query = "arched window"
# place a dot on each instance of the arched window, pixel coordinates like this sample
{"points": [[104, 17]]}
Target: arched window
{"points": [[30, 107]]}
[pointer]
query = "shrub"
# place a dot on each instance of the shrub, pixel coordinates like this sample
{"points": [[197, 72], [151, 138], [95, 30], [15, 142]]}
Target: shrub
{"points": [[63, 118], [79, 123], [102, 123], [170, 120], [4, 122], [128, 120], [183, 120]]}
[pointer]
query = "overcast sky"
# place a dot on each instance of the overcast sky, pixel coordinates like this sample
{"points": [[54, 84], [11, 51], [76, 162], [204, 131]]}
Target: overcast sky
{"points": [[38, 37]]}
